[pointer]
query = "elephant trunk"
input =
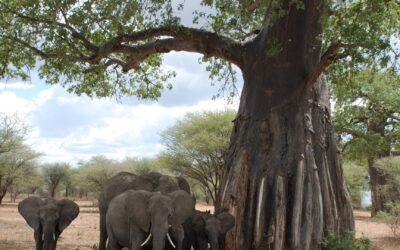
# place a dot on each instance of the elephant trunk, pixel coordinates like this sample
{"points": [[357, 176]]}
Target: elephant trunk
{"points": [[159, 232], [213, 240], [49, 241]]}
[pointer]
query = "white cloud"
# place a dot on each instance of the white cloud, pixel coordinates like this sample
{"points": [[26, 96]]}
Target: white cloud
{"points": [[10, 104], [69, 128], [15, 85]]}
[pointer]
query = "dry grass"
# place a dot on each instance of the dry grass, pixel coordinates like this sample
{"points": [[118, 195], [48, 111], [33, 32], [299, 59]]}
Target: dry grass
{"points": [[82, 234]]}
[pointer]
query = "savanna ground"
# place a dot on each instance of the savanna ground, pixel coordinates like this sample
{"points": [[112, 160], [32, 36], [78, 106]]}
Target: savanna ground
{"points": [[82, 234]]}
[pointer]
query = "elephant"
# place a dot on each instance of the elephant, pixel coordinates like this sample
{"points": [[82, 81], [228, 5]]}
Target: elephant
{"points": [[124, 181], [203, 229], [48, 218], [135, 214]]}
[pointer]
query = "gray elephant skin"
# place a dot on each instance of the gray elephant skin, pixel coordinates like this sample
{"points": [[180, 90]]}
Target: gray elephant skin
{"points": [[203, 228], [48, 218], [135, 214], [124, 181]]}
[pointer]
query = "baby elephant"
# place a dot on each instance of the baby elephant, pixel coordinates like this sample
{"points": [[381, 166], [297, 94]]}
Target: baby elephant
{"points": [[48, 218], [203, 229], [134, 217]]}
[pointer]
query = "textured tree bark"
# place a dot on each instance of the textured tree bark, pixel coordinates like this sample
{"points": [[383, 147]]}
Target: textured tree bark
{"points": [[283, 179], [377, 196]]}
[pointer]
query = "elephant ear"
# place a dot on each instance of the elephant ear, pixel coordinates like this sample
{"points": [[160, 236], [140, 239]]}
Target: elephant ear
{"points": [[227, 222], [29, 209], [69, 210], [137, 204], [183, 207]]}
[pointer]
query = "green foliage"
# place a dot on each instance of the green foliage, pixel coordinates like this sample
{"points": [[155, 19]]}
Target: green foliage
{"points": [[91, 175], [69, 38], [17, 159], [53, 175], [196, 147], [366, 31], [390, 168], [366, 114], [347, 241], [357, 181], [392, 217], [88, 178], [55, 29]]}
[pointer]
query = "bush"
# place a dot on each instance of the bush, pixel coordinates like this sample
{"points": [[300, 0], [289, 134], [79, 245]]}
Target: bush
{"points": [[346, 241], [356, 177], [392, 217]]}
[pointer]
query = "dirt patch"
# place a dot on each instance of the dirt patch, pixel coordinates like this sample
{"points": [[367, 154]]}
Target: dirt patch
{"points": [[380, 234], [83, 233], [15, 234]]}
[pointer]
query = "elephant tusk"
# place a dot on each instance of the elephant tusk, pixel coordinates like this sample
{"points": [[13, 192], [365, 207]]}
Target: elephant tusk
{"points": [[170, 241], [148, 238]]}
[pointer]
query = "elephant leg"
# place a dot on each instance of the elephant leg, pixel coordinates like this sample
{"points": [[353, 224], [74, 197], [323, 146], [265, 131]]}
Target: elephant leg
{"points": [[186, 245], [103, 231], [136, 238], [38, 238]]}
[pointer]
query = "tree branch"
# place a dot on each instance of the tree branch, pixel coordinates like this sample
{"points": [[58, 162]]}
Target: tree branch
{"points": [[183, 39], [37, 51], [329, 57]]}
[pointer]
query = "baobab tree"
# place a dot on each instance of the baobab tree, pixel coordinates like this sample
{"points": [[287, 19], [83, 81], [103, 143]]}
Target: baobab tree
{"points": [[283, 179]]}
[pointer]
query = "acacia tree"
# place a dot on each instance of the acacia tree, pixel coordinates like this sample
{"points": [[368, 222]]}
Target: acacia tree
{"points": [[14, 165], [283, 179], [196, 147], [16, 157], [95, 172], [53, 175], [367, 119]]}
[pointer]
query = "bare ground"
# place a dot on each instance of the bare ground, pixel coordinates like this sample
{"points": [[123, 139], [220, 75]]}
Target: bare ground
{"points": [[82, 234], [379, 233]]}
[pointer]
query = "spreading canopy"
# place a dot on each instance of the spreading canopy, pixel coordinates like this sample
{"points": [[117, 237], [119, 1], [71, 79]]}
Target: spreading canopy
{"points": [[105, 48]]}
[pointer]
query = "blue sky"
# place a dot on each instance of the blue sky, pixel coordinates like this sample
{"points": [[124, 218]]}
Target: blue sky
{"points": [[68, 128]]}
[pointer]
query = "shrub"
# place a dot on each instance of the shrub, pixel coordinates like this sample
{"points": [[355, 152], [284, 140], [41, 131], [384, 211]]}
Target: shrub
{"points": [[392, 217], [356, 176], [346, 241]]}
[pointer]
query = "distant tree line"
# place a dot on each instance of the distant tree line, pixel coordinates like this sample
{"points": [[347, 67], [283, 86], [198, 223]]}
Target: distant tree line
{"points": [[194, 147]]}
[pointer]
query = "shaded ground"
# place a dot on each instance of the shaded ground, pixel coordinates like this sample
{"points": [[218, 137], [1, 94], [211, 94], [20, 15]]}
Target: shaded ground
{"points": [[82, 234]]}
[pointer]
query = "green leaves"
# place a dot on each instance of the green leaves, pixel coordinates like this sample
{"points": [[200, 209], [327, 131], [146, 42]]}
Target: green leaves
{"points": [[64, 36], [196, 147], [366, 113], [366, 30], [357, 181], [85, 45]]}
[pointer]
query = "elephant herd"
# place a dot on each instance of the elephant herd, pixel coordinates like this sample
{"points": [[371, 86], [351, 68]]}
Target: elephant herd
{"points": [[148, 211]]}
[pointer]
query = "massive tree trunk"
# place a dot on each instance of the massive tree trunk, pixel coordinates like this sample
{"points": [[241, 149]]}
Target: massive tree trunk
{"points": [[283, 179]]}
